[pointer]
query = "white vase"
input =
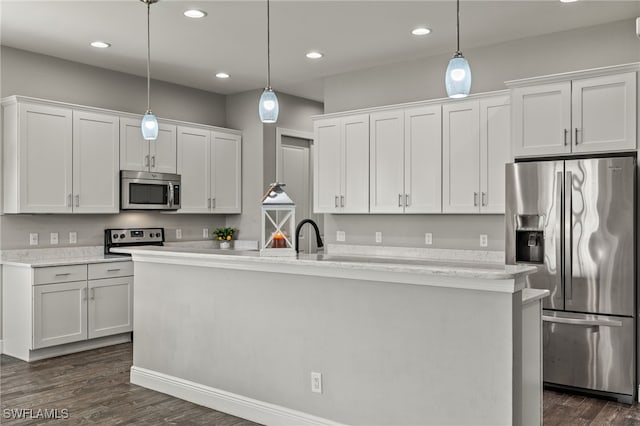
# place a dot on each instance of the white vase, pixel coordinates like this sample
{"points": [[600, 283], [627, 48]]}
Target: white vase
{"points": [[225, 244]]}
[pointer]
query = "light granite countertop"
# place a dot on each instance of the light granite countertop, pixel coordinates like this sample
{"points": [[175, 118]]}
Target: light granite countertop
{"points": [[40, 258]]}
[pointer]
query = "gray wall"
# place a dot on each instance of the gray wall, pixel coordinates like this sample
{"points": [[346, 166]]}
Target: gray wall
{"points": [[423, 78]]}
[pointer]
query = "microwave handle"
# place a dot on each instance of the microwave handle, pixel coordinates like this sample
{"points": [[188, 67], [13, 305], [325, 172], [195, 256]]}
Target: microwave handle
{"points": [[170, 186]]}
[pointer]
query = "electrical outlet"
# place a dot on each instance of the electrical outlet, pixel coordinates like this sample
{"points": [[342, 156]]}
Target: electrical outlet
{"points": [[378, 237], [484, 241], [341, 236], [428, 238], [73, 237], [178, 234], [53, 238], [33, 239], [205, 232], [316, 382]]}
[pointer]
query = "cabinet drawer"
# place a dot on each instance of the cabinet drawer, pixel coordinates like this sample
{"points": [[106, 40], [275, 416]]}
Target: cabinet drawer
{"points": [[60, 274], [110, 270]]}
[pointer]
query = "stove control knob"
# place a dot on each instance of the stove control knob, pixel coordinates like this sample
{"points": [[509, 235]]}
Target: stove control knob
{"points": [[115, 236], [122, 235], [158, 235]]}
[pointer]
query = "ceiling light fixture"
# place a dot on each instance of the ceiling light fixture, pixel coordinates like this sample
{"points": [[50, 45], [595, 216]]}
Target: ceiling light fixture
{"points": [[195, 13], [149, 123], [100, 44], [420, 31], [458, 77], [568, 1], [314, 55], [268, 107], [222, 75]]}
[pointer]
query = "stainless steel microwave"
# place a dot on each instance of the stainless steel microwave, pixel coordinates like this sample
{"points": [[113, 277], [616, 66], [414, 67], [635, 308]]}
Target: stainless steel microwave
{"points": [[149, 191]]}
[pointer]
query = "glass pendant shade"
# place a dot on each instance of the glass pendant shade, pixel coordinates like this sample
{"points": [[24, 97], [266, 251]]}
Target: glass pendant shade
{"points": [[458, 77], [268, 107], [149, 126]]}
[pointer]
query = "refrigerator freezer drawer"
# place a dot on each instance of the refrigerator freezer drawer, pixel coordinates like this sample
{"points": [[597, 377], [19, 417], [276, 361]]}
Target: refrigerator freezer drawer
{"points": [[589, 351]]}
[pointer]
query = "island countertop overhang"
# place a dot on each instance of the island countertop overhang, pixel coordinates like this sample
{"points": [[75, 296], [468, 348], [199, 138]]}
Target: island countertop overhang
{"points": [[435, 273]]}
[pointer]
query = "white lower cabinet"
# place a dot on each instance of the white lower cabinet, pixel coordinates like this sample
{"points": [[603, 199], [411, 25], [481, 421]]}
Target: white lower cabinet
{"points": [[110, 309], [59, 313]]}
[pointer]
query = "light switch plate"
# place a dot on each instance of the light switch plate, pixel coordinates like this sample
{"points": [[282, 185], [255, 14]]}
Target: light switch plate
{"points": [[205, 232], [316, 382], [428, 238], [33, 238], [340, 236], [73, 237], [53, 238], [178, 234]]}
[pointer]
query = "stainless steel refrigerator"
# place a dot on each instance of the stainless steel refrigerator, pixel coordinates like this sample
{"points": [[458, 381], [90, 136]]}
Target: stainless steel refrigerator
{"points": [[575, 220]]}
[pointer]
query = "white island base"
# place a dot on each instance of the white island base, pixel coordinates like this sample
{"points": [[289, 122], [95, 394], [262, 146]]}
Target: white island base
{"points": [[395, 344]]}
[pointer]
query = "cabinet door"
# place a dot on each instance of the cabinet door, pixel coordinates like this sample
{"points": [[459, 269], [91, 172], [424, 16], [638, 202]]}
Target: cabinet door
{"points": [[327, 157], [110, 306], [423, 159], [461, 157], [495, 152], [194, 167], [354, 196], [541, 119], [134, 150], [59, 313], [604, 113], [163, 151], [45, 177], [226, 173], [96, 156], [386, 153]]}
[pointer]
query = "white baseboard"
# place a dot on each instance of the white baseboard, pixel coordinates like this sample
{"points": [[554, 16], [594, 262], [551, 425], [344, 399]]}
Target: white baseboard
{"points": [[226, 402]]}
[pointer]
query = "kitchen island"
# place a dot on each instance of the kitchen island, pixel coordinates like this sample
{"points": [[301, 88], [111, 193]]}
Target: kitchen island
{"points": [[396, 342]]}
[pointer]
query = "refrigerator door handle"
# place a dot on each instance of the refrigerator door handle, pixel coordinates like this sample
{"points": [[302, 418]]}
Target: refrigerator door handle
{"points": [[559, 229], [568, 237], [583, 322]]}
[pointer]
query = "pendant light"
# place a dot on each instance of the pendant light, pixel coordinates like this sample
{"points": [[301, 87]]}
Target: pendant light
{"points": [[458, 77], [149, 123], [268, 107]]}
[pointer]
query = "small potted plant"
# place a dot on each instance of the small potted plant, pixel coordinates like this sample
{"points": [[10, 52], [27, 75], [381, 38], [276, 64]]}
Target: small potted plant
{"points": [[224, 235]]}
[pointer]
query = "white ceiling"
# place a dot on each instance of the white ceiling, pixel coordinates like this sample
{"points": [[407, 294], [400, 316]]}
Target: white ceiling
{"points": [[352, 34]]}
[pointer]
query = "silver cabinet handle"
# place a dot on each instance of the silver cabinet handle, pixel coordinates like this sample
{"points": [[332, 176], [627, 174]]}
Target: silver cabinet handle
{"points": [[113, 270], [93, 293], [406, 200], [213, 203], [484, 199], [584, 322], [399, 200], [576, 136], [77, 201], [336, 201], [342, 201], [146, 161], [153, 161], [568, 236], [566, 133], [208, 203], [475, 199], [84, 293], [69, 198], [63, 275]]}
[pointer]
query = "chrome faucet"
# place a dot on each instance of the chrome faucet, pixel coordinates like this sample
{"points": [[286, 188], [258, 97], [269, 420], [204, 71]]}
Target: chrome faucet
{"points": [[315, 227]]}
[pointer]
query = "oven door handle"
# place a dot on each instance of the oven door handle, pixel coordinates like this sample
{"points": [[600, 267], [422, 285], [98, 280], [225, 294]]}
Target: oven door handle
{"points": [[584, 322]]}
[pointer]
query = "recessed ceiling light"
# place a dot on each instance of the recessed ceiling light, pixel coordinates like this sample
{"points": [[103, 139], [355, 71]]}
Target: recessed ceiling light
{"points": [[314, 55], [420, 31], [195, 13], [100, 44], [222, 75], [568, 1]]}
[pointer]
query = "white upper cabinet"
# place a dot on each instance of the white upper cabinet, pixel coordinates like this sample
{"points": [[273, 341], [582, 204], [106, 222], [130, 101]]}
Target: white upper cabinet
{"points": [[423, 159], [95, 163], [542, 119], [341, 165], [476, 147], [582, 115], [604, 113], [405, 151], [147, 156], [210, 166], [59, 160], [386, 153]]}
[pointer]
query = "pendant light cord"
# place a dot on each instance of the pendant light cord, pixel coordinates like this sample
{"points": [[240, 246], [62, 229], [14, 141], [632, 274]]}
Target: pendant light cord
{"points": [[458, 25], [148, 56], [268, 48]]}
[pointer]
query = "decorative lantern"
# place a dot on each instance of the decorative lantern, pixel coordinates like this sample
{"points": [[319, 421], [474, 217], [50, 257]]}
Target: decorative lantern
{"points": [[278, 223]]}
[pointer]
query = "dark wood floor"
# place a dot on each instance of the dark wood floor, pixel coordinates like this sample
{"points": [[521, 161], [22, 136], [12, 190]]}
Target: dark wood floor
{"points": [[94, 387]]}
